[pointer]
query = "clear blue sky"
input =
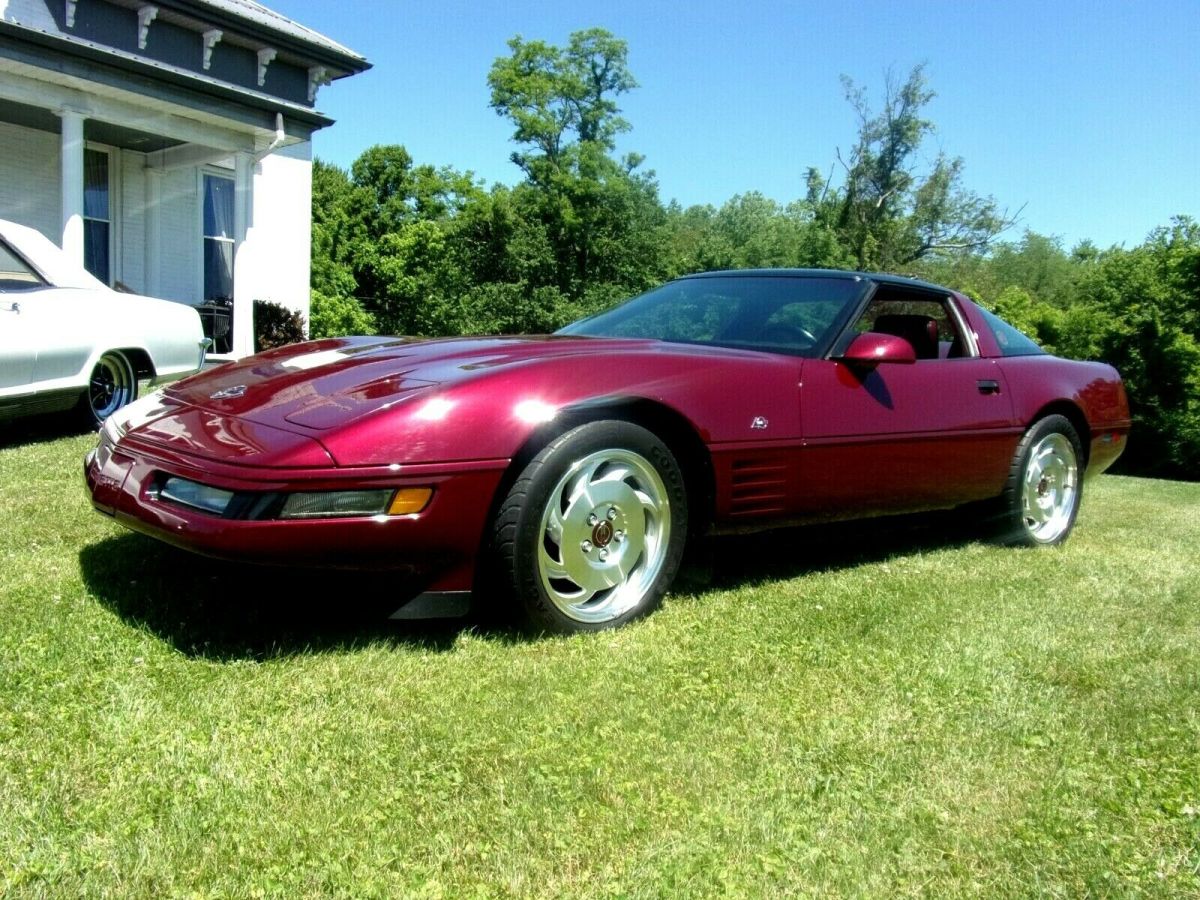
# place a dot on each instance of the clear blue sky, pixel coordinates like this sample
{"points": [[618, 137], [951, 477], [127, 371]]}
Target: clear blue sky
{"points": [[1085, 113]]}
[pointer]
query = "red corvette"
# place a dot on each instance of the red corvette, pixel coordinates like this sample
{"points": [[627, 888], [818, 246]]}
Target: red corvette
{"points": [[568, 471]]}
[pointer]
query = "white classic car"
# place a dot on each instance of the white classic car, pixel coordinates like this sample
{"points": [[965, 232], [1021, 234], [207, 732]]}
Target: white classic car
{"points": [[68, 340]]}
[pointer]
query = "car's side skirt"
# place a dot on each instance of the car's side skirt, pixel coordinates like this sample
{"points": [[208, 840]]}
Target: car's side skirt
{"points": [[38, 404]]}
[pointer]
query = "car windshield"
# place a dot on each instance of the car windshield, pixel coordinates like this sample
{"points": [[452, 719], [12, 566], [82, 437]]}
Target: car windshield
{"points": [[793, 314], [45, 256]]}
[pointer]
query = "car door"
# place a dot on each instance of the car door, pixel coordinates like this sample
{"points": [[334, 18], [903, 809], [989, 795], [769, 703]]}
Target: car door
{"points": [[64, 325], [897, 437], [20, 289]]}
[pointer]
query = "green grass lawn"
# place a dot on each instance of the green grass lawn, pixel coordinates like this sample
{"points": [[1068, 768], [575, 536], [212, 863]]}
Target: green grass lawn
{"points": [[895, 709]]}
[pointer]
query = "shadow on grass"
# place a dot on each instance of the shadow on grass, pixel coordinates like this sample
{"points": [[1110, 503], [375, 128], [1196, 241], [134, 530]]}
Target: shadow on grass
{"points": [[222, 611], [731, 561], [42, 429]]}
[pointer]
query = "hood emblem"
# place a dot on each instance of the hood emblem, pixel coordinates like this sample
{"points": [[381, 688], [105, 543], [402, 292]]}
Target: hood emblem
{"points": [[758, 422], [228, 393]]}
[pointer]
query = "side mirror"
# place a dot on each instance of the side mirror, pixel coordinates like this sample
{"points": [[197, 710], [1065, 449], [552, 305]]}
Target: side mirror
{"points": [[871, 347]]}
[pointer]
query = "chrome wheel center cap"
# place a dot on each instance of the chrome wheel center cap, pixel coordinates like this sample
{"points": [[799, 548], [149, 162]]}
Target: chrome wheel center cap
{"points": [[602, 534]]}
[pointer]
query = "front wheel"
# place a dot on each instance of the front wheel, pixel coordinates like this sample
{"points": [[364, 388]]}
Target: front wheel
{"points": [[111, 385], [1041, 498], [593, 530]]}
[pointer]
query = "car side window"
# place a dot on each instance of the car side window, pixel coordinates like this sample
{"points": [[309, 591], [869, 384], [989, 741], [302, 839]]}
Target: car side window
{"points": [[15, 273], [925, 322], [1011, 341]]}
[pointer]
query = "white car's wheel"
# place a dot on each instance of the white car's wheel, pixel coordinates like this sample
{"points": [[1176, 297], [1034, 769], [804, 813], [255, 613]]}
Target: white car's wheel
{"points": [[111, 385], [592, 532]]}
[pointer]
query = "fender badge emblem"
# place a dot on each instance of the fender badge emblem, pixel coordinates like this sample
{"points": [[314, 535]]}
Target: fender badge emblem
{"points": [[758, 422], [228, 393]]}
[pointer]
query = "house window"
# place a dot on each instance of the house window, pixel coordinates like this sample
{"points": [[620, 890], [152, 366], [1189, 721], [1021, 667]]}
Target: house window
{"points": [[97, 215], [218, 238]]}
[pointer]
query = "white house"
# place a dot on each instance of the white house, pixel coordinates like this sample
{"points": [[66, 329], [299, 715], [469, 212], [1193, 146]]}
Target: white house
{"points": [[167, 144]]}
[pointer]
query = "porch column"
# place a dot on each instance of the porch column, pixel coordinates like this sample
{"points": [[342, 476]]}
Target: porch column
{"points": [[153, 224], [72, 183], [243, 283]]}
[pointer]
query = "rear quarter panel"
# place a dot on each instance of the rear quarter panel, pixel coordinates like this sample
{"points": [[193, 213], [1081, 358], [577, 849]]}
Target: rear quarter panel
{"points": [[75, 327], [1039, 383]]}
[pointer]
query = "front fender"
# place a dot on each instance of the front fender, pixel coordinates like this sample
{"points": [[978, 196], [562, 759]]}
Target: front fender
{"points": [[494, 414]]}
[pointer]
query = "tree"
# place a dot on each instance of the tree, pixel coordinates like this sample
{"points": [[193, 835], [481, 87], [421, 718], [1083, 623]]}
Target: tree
{"points": [[1030, 283], [383, 243], [884, 212], [332, 274], [391, 190], [1037, 264], [561, 99], [333, 309], [1145, 305], [601, 220], [335, 316], [748, 231]]}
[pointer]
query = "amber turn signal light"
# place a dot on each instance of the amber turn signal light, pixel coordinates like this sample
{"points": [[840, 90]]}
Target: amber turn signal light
{"points": [[409, 500]]}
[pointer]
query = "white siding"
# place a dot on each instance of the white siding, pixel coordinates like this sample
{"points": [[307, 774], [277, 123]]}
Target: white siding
{"points": [[180, 277], [276, 254], [282, 224], [131, 235], [30, 179]]}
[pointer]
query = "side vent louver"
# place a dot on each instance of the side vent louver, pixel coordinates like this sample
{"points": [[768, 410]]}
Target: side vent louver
{"points": [[758, 486]]}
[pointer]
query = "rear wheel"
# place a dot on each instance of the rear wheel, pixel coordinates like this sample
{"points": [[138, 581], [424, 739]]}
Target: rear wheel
{"points": [[593, 530], [1041, 498], [112, 384]]}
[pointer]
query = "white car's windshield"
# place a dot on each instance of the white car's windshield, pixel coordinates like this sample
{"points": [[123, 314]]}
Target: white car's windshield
{"points": [[45, 256]]}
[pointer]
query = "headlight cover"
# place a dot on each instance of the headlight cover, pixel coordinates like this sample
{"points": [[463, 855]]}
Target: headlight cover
{"points": [[336, 504], [198, 496], [376, 503]]}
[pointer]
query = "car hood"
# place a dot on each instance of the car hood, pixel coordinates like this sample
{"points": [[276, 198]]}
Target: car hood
{"points": [[328, 383]]}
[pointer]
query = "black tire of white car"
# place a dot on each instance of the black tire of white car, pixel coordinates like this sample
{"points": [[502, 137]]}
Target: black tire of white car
{"points": [[112, 384], [1045, 485], [592, 532]]}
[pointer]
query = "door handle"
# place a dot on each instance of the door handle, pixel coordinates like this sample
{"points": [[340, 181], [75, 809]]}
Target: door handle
{"points": [[16, 307], [987, 386]]}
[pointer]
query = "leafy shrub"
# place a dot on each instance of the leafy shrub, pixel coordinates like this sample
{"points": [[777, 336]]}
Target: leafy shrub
{"points": [[500, 308], [1147, 303], [276, 325], [337, 316]]}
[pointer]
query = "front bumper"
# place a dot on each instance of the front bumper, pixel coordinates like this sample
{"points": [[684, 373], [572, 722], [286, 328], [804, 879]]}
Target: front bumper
{"points": [[439, 544]]}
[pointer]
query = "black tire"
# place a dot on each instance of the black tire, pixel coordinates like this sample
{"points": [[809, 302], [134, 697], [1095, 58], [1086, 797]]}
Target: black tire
{"points": [[592, 532], [1045, 485], [112, 384]]}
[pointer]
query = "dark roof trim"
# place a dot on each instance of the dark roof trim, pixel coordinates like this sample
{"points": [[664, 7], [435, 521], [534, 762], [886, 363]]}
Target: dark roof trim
{"points": [[92, 62], [881, 277], [318, 48]]}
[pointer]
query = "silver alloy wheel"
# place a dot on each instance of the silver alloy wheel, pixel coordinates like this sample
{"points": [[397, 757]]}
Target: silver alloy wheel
{"points": [[604, 535], [111, 386], [1050, 487]]}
